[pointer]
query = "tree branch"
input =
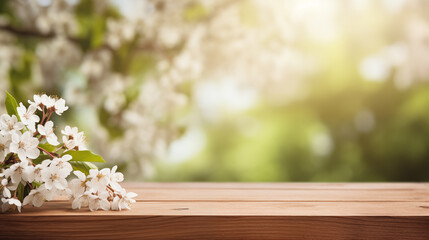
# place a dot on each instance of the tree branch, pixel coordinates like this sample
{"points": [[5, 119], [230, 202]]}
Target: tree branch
{"points": [[30, 33]]}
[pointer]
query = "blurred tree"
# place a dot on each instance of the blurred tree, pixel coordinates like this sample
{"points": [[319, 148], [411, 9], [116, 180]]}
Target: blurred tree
{"points": [[276, 90]]}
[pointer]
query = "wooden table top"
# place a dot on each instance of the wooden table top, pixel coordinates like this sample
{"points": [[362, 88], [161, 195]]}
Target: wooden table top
{"points": [[239, 211]]}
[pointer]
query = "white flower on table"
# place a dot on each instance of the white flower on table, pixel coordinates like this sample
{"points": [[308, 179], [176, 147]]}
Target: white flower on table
{"points": [[10, 124], [36, 197], [78, 185], [115, 178], [100, 189], [81, 200], [97, 201], [6, 191], [73, 139], [25, 145], [10, 202], [55, 177], [60, 106], [99, 179], [48, 132], [28, 117], [50, 194], [5, 141], [123, 201], [58, 192]]}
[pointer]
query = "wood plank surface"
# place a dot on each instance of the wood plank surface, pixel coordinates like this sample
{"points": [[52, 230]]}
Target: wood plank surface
{"points": [[281, 195], [239, 211], [293, 185], [349, 209]]}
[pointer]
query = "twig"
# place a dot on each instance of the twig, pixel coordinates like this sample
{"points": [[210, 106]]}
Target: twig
{"points": [[30, 33], [50, 154]]}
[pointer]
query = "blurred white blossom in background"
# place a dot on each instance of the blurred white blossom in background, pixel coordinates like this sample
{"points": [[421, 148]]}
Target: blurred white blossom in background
{"points": [[142, 75]]}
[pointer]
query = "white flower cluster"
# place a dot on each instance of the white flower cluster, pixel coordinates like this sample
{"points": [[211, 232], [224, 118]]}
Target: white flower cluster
{"points": [[29, 176], [100, 189]]}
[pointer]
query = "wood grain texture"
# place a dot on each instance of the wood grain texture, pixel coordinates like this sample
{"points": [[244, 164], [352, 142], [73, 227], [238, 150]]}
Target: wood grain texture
{"points": [[218, 227], [293, 185], [347, 209], [239, 211]]}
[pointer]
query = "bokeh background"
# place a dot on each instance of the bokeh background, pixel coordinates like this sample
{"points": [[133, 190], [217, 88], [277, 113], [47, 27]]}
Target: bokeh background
{"points": [[232, 90]]}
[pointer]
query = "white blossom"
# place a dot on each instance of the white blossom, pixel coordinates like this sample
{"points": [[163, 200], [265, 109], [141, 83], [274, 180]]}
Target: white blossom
{"points": [[8, 203], [9, 124], [25, 145], [6, 191], [123, 201], [99, 179], [5, 141], [99, 190], [54, 192], [95, 64], [48, 131], [78, 185], [73, 139], [115, 178], [27, 116], [18, 172], [48, 101], [28, 174], [99, 201], [37, 102], [37, 170], [60, 106], [81, 200], [55, 177], [70, 131], [63, 163], [36, 196]]}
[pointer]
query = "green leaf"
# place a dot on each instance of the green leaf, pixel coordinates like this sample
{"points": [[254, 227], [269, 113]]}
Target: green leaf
{"points": [[84, 156], [11, 105], [20, 192], [36, 184], [83, 166], [40, 159], [48, 147]]}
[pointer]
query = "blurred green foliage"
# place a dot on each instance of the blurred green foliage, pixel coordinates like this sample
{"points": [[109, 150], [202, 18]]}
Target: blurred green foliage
{"points": [[275, 145], [274, 142]]}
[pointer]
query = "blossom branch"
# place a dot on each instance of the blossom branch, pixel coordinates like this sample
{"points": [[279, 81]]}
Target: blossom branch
{"points": [[56, 150], [47, 152], [30, 33]]}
